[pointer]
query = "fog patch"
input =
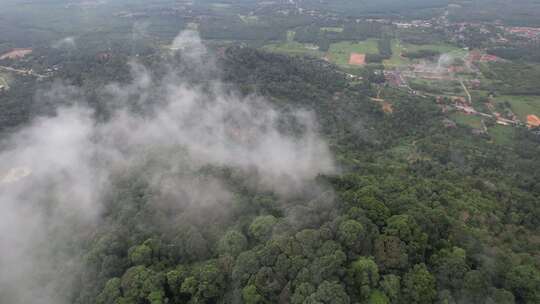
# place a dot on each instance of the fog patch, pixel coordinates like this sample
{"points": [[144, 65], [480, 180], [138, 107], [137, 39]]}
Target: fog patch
{"points": [[68, 43], [55, 172]]}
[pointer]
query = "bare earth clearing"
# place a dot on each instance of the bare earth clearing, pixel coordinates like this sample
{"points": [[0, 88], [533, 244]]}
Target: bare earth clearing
{"points": [[16, 54], [357, 59]]}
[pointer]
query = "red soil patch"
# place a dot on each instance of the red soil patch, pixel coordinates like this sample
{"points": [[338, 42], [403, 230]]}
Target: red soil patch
{"points": [[387, 107], [16, 54], [357, 59], [533, 121]]}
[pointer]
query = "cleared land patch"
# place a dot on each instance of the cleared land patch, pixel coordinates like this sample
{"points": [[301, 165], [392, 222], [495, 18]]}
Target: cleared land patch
{"points": [[249, 19], [332, 29], [533, 121], [357, 59], [386, 106], [294, 48], [467, 120], [15, 54], [398, 48], [291, 35], [4, 83], [522, 106]]}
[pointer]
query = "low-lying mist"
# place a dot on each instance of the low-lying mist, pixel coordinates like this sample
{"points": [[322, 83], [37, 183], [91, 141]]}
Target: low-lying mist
{"points": [[56, 172]]}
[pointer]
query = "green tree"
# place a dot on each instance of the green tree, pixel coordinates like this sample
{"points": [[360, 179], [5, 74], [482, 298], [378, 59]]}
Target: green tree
{"points": [[267, 282], [140, 255], [232, 243], [329, 293], [374, 209], [261, 227], [247, 264], [450, 268], [419, 286], [175, 278], [475, 285], [524, 282], [111, 293], [377, 297], [310, 241], [364, 274], [501, 296], [391, 286], [350, 233], [302, 292], [251, 295], [406, 229], [140, 284], [210, 280]]}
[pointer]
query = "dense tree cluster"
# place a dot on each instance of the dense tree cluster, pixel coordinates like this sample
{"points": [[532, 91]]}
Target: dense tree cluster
{"points": [[419, 213]]}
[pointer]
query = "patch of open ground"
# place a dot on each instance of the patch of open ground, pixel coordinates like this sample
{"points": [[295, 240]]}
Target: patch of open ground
{"points": [[15, 54], [522, 106], [291, 35], [332, 29], [357, 59], [294, 48], [467, 120], [4, 83], [386, 106], [399, 47], [533, 121], [249, 19]]}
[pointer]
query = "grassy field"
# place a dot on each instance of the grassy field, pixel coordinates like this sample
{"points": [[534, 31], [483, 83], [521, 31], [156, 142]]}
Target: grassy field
{"points": [[398, 47], [220, 5], [396, 59], [4, 81], [249, 19], [522, 105], [293, 48], [503, 135], [442, 48], [290, 36], [446, 87], [467, 120], [340, 53], [332, 29]]}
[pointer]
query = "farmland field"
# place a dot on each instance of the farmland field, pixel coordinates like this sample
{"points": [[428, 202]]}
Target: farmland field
{"points": [[293, 48], [398, 48], [249, 19], [4, 81], [396, 59], [332, 29], [522, 105]]}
